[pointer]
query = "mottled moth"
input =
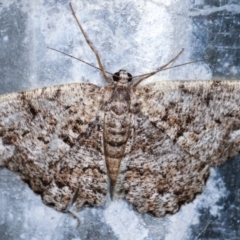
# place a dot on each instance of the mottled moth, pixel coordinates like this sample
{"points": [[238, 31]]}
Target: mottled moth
{"points": [[153, 144]]}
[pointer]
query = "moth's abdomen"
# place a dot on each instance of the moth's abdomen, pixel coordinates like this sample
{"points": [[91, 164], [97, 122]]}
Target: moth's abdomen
{"points": [[116, 130]]}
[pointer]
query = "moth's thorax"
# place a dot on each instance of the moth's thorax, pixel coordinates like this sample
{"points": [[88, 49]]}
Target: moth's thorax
{"points": [[116, 127]]}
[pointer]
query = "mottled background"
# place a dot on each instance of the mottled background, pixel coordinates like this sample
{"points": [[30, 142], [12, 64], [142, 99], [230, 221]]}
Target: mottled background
{"points": [[138, 36]]}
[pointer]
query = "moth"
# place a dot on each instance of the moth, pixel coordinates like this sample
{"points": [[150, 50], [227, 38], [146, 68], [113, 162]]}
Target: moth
{"points": [[151, 145]]}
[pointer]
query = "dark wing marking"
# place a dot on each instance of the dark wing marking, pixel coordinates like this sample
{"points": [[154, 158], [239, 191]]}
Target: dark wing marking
{"points": [[53, 138], [202, 117], [157, 176], [180, 130]]}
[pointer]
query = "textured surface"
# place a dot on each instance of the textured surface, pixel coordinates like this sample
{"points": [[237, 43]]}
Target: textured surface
{"points": [[53, 138], [168, 135], [137, 36], [181, 129], [117, 126]]}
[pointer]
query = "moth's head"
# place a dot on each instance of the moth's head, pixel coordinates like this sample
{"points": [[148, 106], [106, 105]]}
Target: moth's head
{"points": [[122, 76]]}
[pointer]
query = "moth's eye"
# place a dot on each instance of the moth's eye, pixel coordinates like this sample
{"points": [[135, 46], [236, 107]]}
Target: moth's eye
{"points": [[116, 76], [129, 77]]}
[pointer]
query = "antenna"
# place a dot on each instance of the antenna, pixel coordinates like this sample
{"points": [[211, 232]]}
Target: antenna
{"points": [[147, 75], [78, 59], [103, 71], [163, 68], [91, 46]]}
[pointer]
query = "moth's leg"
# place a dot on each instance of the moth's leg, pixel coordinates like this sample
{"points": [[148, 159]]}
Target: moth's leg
{"points": [[91, 46], [76, 217], [69, 206], [147, 75]]}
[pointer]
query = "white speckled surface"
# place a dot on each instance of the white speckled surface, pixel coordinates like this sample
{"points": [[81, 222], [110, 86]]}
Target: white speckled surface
{"points": [[137, 36]]}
